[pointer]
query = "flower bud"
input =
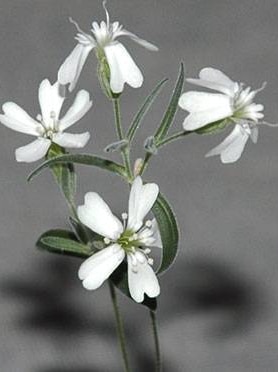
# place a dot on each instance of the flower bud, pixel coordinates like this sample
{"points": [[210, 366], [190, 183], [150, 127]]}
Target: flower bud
{"points": [[103, 72], [137, 166]]}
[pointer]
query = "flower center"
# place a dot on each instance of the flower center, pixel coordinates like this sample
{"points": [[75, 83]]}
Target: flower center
{"points": [[134, 243], [51, 127], [128, 240]]}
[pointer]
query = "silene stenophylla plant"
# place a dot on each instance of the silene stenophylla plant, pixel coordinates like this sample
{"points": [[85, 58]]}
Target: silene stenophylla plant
{"points": [[113, 249]]}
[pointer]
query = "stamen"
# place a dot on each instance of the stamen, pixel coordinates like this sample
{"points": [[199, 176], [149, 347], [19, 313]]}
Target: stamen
{"points": [[273, 125], [107, 240], [147, 251], [148, 223], [124, 216], [39, 117], [264, 84], [77, 26], [107, 14], [150, 261]]}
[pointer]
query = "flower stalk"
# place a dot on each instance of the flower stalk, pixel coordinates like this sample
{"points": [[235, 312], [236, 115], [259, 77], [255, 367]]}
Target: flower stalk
{"points": [[120, 133], [158, 363], [120, 327]]}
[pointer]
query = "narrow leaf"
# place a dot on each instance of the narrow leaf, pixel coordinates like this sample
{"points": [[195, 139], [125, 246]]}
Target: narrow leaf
{"points": [[64, 174], [172, 108], [63, 242], [84, 159], [168, 230], [135, 124]]}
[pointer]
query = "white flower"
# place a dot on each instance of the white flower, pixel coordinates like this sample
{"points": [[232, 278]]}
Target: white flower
{"points": [[132, 239], [47, 127], [122, 67], [234, 102]]}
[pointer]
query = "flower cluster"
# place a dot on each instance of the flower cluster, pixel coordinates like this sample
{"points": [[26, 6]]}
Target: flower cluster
{"points": [[126, 245]]}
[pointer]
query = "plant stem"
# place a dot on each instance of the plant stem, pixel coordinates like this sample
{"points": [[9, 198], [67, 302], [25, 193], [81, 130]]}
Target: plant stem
{"points": [[173, 138], [120, 134], [158, 364], [120, 328]]}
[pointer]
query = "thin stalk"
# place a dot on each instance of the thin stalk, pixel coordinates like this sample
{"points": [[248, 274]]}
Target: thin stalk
{"points": [[119, 129], [120, 328], [158, 363], [172, 138]]}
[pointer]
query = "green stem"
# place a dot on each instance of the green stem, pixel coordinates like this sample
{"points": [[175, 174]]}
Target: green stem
{"points": [[125, 151], [158, 364], [120, 328], [174, 137]]}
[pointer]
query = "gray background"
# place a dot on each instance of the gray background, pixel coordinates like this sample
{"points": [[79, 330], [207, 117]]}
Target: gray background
{"points": [[219, 304]]}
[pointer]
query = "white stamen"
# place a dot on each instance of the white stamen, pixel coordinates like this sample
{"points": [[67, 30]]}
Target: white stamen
{"points": [[124, 216], [148, 223], [150, 261], [107, 240], [107, 14]]}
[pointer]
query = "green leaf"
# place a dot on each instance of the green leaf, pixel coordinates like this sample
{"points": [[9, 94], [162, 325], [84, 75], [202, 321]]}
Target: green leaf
{"points": [[64, 174], [213, 128], [172, 108], [119, 279], [84, 159], [135, 124], [168, 230], [63, 242]]}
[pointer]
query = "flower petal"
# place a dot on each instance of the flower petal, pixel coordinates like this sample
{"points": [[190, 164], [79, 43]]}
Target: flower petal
{"points": [[141, 200], [123, 69], [96, 214], [146, 44], [231, 148], [71, 68], [96, 269], [17, 119], [33, 151], [50, 101], [150, 236], [254, 134], [156, 234], [141, 280], [199, 119], [215, 79], [79, 108], [70, 140], [200, 101]]}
